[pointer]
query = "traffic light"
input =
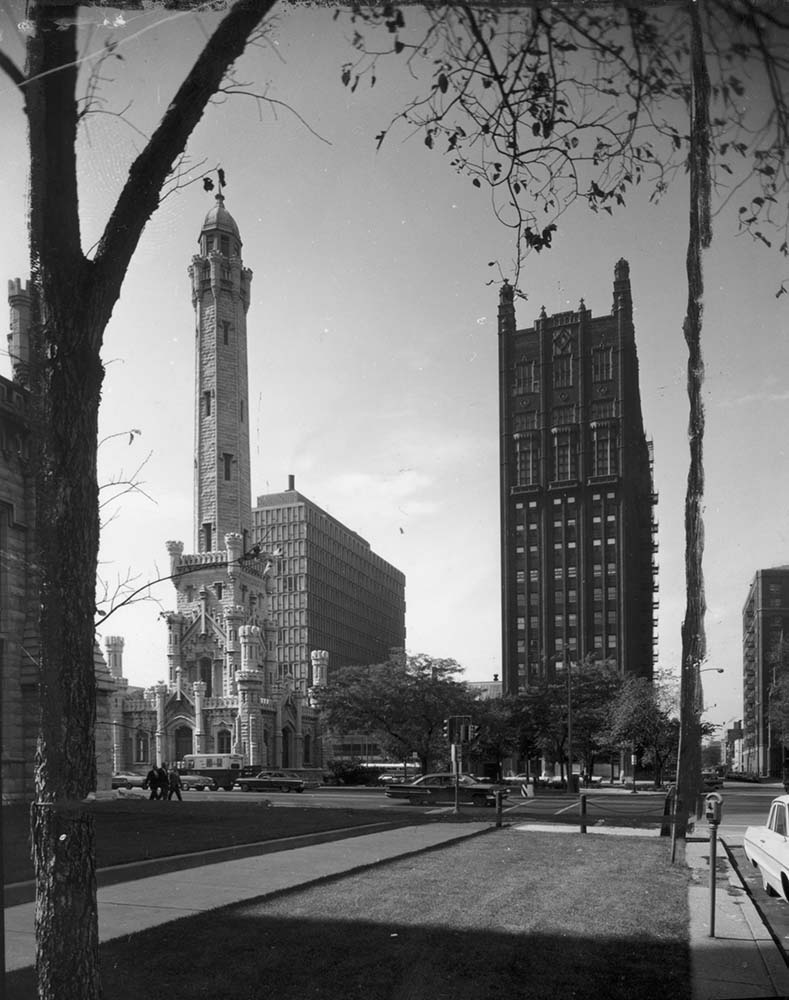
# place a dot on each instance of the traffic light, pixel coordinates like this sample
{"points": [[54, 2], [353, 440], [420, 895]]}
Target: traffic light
{"points": [[473, 733], [447, 730]]}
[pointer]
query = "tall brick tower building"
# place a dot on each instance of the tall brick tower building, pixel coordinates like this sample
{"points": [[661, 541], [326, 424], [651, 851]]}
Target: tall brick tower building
{"points": [[577, 533]]}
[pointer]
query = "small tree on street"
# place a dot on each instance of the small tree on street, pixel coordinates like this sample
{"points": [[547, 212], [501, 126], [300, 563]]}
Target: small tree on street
{"points": [[402, 703]]}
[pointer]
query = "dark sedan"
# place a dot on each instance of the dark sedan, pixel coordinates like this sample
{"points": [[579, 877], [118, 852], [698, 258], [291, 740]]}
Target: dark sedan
{"points": [[271, 781], [440, 788]]}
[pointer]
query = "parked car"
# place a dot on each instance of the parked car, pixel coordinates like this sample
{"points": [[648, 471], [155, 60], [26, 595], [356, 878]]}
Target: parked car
{"points": [[198, 782], [272, 781], [742, 776], [434, 788], [127, 779], [767, 848], [711, 781]]}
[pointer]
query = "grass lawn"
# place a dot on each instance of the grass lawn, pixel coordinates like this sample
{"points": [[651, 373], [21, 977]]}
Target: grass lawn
{"points": [[504, 916], [134, 829]]}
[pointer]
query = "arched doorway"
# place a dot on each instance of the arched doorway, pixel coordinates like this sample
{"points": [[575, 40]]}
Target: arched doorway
{"points": [[223, 741], [287, 747], [183, 742]]}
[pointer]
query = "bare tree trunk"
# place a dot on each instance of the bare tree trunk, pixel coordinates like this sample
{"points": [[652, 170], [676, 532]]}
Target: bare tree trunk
{"points": [[65, 382], [693, 633], [72, 300]]}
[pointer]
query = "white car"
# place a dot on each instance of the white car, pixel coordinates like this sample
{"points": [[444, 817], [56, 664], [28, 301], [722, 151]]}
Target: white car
{"points": [[767, 848]]}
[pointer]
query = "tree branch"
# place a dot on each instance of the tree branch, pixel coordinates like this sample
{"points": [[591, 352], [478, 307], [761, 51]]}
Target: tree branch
{"points": [[147, 175], [12, 71]]}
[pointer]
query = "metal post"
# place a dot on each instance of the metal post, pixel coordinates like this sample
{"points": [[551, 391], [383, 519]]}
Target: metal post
{"points": [[456, 768], [498, 808], [713, 866], [583, 812], [570, 784]]}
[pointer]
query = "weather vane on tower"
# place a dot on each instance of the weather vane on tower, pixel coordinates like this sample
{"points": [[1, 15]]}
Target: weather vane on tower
{"points": [[208, 184]]}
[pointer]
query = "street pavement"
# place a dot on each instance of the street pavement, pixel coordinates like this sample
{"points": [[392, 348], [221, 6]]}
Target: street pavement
{"points": [[740, 961]]}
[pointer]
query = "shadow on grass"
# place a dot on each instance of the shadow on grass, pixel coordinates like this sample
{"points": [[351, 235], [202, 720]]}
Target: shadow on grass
{"points": [[134, 829], [243, 955]]}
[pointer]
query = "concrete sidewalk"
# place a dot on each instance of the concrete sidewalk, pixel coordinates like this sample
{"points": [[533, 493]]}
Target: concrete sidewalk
{"points": [[741, 961], [127, 907]]}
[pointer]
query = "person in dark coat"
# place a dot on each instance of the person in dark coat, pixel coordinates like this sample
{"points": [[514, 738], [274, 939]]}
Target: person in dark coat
{"points": [[152, 782], [174, 784], [162, 780]]}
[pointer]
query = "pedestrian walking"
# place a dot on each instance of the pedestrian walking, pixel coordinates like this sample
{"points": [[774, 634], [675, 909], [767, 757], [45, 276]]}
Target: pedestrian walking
{"points": [[152, 782], [162, 780], [174, 784]]}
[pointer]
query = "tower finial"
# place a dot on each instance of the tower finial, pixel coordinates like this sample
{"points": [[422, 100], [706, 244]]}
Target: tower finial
{"points": [[208, 184]]}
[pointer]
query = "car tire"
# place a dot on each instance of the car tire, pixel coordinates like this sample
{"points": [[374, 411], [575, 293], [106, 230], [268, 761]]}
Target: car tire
{"points": [[479, 800], [299, 789], [244, 788], [284, 788], [767, 887]]}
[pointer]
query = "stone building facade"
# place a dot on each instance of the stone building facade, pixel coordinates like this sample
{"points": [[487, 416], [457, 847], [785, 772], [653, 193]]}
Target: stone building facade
{"points": [[19, 648], [577, 533], [223, 691], [765, 656]]}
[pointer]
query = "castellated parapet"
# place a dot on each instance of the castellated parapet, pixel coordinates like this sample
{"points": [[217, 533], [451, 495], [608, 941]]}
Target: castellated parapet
{"points": [[113, 645], [19, 332]]}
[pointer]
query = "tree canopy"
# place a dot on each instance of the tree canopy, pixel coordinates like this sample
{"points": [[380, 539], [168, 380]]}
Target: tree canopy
{"points": [[402, 702]]}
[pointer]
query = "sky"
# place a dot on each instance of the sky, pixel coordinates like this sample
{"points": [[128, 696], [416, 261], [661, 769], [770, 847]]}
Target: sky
{"points": [[373, 344]]}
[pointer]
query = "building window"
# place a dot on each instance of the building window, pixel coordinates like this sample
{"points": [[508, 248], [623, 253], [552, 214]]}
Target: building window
{"points": [[225, 244], [223, 741], [227, 462], [207, 536], [527, 459], [563, 371], [564, 458], [602, 364], [563, 415], [604, 451], [207, 403], [526, 379], [141, 748]]}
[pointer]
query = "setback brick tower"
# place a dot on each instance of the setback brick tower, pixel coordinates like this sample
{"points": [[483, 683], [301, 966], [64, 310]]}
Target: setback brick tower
{"points": [[220, 294], [578, 535]]}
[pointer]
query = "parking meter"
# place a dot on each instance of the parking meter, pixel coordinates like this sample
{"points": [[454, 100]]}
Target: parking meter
{"points": [[712, 808]]}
